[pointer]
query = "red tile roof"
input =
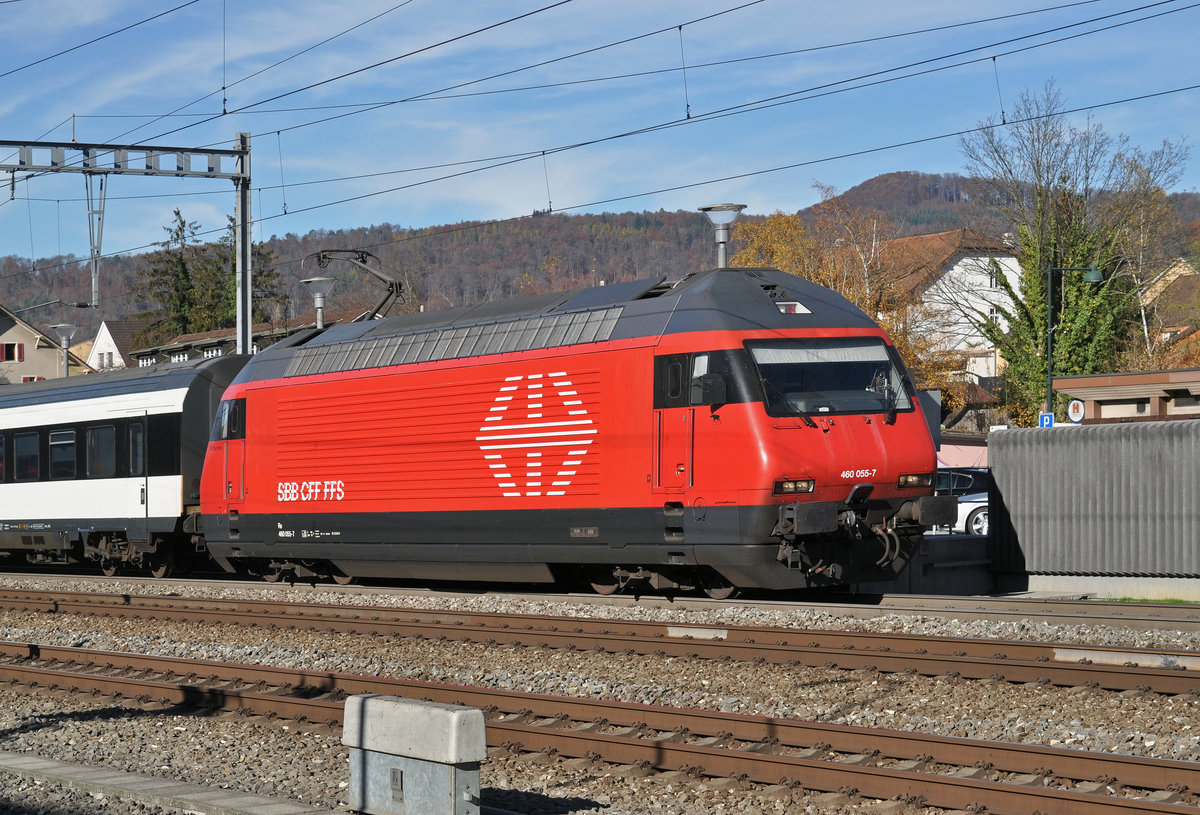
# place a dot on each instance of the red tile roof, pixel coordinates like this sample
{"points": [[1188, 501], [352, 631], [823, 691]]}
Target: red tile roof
{"points": [[920, 260]]}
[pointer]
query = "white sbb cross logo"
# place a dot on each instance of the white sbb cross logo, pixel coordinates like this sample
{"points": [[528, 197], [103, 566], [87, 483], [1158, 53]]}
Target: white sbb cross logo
{"points": [[541, 419]]}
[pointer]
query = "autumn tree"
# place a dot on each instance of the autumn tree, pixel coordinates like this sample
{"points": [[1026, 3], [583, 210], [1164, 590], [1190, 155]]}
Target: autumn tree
{"points": [[1153, 232], [551, 276], [1073, 197]]}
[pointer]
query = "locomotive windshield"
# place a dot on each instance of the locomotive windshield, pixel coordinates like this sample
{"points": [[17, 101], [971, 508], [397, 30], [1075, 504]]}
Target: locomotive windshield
{"points": [[826, 376]]}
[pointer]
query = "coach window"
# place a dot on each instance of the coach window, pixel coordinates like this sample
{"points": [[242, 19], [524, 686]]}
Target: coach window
{"points": [[101, 451], [62, 453], [25, 456], [163, 435], [137, 448]]}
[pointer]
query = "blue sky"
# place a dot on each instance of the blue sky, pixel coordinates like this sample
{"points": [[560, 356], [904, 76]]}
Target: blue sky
{"points": [[491, 110]]}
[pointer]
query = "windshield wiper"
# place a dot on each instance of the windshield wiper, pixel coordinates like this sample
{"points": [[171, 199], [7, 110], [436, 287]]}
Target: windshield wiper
{"points": [[771, 389], [881, 383], [890, 397]]}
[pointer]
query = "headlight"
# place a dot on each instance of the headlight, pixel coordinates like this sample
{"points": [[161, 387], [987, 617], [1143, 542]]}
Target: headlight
{"points": [[917, 480], [792, 486]]}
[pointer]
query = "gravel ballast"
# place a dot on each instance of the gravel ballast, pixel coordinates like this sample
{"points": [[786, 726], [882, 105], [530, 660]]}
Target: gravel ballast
{"points": [[308, 764]]}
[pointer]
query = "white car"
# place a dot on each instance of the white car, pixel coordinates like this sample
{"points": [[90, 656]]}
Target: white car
{"points": [[972, 514]]}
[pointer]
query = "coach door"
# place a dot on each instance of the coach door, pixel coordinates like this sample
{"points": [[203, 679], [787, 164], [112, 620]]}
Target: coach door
{"points": [[673, 424], [233, 432], [674, 448], [139, 471]]}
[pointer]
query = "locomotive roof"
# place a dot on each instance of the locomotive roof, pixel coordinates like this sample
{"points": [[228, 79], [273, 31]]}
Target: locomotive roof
{"points": [[714, 300], [164, 377]]}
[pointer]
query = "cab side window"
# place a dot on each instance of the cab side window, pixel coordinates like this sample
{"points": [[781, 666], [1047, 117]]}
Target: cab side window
{"points": [[231, 420]]}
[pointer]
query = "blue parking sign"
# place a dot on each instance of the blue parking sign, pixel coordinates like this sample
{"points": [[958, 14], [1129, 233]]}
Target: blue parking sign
{"points": [[1045, 420]]}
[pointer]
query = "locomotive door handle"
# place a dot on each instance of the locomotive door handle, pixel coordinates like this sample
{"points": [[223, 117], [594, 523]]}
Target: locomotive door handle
{"points": [[228, 488], [143, 495], [681, 469]]}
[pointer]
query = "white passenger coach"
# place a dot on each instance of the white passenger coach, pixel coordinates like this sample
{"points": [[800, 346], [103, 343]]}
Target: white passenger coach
{"points": [[106, 467]]}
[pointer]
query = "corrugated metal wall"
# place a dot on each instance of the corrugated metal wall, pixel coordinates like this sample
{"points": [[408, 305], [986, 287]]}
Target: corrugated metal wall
{"points": [[1113, 499]]}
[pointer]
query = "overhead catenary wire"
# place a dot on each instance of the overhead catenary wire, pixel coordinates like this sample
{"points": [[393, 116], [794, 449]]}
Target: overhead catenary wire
{"points": [[689, 185], [832, 87], [282, 186], [532, 154], [999, 95], [95, 40], [443, 94], [289, 58], [879, 76], [375, 65], [687, 103]]}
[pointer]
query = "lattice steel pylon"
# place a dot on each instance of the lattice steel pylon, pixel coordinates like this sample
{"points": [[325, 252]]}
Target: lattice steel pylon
{"points": [[98, 161], [95, 202]]}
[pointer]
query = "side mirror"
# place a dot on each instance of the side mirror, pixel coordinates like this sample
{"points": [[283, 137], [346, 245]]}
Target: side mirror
{"points": [[708, 389], [931, 406]]}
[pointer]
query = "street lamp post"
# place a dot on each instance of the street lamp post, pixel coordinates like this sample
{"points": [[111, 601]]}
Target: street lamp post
{"points": [[1093, 276], [318, 287], [721, 216], [65, 332]]}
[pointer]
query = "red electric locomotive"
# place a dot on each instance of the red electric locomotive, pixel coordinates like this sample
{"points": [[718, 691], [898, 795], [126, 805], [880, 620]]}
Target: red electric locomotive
{"points": [[734, 428]]}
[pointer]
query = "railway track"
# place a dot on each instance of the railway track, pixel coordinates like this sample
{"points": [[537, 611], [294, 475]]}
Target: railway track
{"points": [[1112, 668], [1062, 611], [1052, 611], [693, 744]]}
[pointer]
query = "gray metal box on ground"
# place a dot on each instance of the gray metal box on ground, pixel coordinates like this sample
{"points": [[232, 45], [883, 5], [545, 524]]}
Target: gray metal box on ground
{"points": [[409, 757]]}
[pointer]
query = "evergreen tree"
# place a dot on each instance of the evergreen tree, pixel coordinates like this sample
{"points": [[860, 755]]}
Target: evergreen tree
{"points": [[167, 280], [195, 284]]}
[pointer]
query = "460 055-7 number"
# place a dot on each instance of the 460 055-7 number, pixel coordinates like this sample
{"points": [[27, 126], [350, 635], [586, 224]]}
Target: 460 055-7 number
{"points": [[858, 473]]}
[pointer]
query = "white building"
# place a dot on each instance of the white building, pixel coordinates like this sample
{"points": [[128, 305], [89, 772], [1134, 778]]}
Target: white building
{"points": [[957, 276], [115, 341]]}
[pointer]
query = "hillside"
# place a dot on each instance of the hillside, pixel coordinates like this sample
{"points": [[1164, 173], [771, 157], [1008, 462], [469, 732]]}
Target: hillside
{"points": [[473, 261], [920, 202]]}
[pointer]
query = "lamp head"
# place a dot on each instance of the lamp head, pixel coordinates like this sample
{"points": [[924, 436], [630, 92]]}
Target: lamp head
{"points": [[64, 331], [722, 214], [318, 286]]}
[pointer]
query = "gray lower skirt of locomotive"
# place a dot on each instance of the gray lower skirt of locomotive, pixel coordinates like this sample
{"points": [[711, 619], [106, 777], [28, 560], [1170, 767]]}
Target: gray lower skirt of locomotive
{"points": [[521, 546]]}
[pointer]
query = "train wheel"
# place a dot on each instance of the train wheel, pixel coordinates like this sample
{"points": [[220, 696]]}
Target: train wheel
{"points": [[605, 582], [162, 566], [272, 575], [716, 586], [109, 568], [343, 579]]}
